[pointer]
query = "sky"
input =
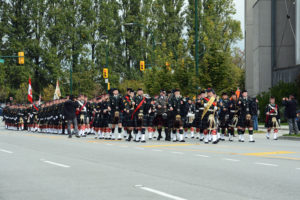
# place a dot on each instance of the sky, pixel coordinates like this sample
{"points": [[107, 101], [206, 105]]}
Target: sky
{"points": [[240, 15]]}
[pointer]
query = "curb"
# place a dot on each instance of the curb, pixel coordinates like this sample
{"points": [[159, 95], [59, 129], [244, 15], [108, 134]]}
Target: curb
{"points": [[289, 138]]}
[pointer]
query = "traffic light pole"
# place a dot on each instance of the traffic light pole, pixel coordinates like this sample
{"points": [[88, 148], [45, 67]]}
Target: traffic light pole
{"points": [[71, 80], [2, 60], [196, 38]]}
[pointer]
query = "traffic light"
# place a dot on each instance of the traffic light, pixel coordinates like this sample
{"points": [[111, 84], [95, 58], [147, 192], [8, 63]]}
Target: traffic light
{"points": [[105, 72], [21, 59], [142, 65], [168, 66]]}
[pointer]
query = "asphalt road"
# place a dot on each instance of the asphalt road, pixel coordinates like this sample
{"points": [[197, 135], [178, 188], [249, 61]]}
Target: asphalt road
{"points": [[37, 166]]}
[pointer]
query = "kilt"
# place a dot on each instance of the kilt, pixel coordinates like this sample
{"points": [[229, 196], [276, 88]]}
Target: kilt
{"points": [[127, 121], [104, 120], [244, 123], [270, 124], [224, 121], [116, 120], [137, 122], [148, 120], [160, 121], [82, 118]]}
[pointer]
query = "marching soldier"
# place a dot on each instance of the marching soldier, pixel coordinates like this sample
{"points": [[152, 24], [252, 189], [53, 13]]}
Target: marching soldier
{"points": [[199, 107], [272, 118], [177, 107], [116, 105], [149, 115], [138, 116], [233, 110], [105, 116], [190, 116], [97, 119], [224, 115], [128, 111], [245, 117], [81, 112], [161, 117], [209, 124]]}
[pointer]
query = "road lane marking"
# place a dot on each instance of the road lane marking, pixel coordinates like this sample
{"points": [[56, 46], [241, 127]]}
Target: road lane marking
{"points": [[175, 152], [157, 150], [55, 163], [267, 164], [267, 153], [229, 159], [168, 145], [5, 151], [139, 148], [170, 196], [204, 156], [298, 168], [124, 146], [108, 144]]}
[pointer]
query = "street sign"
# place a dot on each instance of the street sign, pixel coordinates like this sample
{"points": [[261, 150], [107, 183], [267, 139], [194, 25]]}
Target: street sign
{"points": [[106, 80], [2, 61]]}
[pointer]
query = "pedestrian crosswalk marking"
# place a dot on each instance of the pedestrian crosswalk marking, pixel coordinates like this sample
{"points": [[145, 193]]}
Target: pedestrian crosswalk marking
{"points": [[267, 153]]}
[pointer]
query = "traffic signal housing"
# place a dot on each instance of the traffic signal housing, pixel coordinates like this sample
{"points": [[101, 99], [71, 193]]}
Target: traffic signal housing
{"points": [[168, 66], [21, 59], [142, 65], [105, 72]]}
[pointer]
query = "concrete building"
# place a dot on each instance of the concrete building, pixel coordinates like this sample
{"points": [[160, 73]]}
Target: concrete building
{"points": [[272, 43]]}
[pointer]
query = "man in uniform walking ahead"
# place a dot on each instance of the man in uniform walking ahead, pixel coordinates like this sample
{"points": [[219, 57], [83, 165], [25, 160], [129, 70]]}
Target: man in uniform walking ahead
{"points": [[70, 115]]}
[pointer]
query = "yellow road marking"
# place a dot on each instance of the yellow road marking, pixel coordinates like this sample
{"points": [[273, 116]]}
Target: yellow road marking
{"points": [[267, 153]]}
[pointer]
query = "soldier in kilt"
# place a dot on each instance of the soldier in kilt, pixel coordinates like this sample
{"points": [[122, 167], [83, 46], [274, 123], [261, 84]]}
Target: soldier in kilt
{"points": [[138, 116], [245, 118], [161, 117], [128, 111], [233, 110], [116, 113], [272, 118], [178, 108]]}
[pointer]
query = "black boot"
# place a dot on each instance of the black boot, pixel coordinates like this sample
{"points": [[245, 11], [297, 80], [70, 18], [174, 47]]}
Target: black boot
{"points": [[159, 134], [129, 136]]}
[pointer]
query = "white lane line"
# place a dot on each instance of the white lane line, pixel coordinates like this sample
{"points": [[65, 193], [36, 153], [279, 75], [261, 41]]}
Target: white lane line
{"points": [[204, 156], [157, 150], [55, 163], [124, 146], [267, 164], [229, 159], [108, 144], [140, 148], [5, 151], [298, 168], [170, 196], [177, 153]]}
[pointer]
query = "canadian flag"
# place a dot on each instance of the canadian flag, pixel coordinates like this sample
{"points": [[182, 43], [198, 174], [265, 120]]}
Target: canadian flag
{"points": [[30, 91]]}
